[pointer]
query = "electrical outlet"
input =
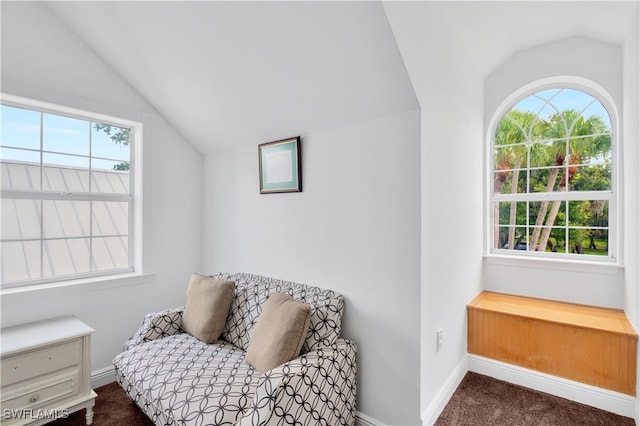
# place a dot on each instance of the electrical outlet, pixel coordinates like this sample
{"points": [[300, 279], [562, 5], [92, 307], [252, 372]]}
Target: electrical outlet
{"points": [[439, 339]]}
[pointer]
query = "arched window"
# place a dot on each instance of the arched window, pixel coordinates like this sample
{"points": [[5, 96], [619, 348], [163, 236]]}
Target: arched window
{"points": [[553, 168]]}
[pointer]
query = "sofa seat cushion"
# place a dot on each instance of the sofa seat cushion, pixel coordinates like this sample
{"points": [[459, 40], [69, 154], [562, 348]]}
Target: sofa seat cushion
{"points": [[188, 382]]}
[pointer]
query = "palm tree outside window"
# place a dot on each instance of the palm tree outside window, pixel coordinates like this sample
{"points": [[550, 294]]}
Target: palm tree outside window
{"points": [[552, 171]]}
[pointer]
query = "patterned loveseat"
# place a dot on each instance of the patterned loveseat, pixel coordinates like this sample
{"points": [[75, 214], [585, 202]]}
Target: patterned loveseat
{"points": [[179, 380]]}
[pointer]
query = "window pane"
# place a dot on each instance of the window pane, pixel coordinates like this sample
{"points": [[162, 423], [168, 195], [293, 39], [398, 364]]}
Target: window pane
{"points": [[557, 240], [110, 253], [530, 103], [101, 165], [503, 232], [589, 241], [598, 110], [65, 161], [110, 218], [513, 129], [578, 99], [589, 221], [591, 178], [20, 128], [504, 213], [110, 142], [547, 111], [513, 238], [504, 181], [548, 153], [534, 212], [20, 219], [66, 257], [517, 187], [519, 211], [499, 178], [20, 155], [509, 157], [66, 173], [110, 177], [20, 261], [556, 213], [546, 180], [535, 236], [549, 235], [593, 213], [65, 219], [513, 213], [20, 169], [65, 135]]}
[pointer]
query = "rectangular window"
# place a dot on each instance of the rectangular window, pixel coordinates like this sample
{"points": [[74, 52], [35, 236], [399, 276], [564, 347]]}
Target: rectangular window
{"points": [[67, 193]]}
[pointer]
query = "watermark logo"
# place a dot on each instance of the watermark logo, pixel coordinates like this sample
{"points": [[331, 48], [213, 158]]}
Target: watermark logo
{"points": [[34, 414]]}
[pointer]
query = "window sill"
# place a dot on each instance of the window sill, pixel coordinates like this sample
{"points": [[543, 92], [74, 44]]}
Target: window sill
{"points": [[97, 283], [605, 268]]}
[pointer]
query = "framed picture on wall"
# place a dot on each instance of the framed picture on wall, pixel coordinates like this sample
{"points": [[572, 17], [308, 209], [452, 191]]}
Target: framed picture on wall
{"points": [[280, 166]]}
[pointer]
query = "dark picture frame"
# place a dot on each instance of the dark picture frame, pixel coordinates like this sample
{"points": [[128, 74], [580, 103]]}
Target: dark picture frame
{"points": [[280, 166]]}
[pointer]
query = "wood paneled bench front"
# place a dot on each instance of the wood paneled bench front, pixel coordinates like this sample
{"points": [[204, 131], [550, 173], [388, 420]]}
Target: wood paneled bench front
{"points": [[587, 344]]}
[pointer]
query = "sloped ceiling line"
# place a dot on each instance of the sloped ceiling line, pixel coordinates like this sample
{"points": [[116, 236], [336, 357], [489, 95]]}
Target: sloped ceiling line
{"points": [[225, 73]]}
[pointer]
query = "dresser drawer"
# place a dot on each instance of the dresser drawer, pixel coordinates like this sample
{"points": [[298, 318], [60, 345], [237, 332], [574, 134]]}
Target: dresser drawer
{"points": [[45, 369], [42, 390], [18, 368]]}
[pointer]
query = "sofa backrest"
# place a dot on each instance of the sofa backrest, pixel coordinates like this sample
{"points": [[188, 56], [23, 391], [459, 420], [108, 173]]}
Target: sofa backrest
{"points": [[253, 290]]}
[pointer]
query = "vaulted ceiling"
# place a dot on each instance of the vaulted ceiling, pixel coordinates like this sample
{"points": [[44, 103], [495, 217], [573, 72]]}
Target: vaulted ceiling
{"points": [[225, 73], [233, 72]]}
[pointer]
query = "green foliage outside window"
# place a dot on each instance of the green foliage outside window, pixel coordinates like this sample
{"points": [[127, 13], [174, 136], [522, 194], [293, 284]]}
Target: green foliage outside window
{"points": [[120, 136], [565, 150]]}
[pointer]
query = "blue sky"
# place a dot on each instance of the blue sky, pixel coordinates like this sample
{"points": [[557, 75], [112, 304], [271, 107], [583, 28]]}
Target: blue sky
{"points": [[564, 99], [62, 135]]}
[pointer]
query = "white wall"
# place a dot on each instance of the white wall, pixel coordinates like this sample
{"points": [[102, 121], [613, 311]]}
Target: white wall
{"points": [[631, 132], [41, 59], [450, 91], [631, 136], [451, 203], [355, 229]]}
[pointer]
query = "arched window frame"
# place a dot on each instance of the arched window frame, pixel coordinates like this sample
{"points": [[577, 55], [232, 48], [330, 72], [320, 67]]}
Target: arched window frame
{"points": [[615, 256]]}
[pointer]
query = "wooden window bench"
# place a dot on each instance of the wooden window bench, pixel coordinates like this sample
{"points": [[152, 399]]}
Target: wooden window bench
{"points": [[587, 344]]}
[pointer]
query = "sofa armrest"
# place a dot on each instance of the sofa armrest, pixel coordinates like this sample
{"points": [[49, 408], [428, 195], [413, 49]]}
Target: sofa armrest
{"points": [[157, 325], [319, 387]]}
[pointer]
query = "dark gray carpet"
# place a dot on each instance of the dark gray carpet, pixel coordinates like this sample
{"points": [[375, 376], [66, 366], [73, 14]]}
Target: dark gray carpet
{"points": [[478, 401], [482, 400], [113, 408]]}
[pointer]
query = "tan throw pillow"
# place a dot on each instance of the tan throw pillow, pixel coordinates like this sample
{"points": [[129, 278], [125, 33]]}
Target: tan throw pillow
{"points": [[207, 307], [279, 332]]}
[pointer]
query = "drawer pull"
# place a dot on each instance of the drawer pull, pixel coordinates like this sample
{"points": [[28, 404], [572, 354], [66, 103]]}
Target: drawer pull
{"points": [[34, 398]]}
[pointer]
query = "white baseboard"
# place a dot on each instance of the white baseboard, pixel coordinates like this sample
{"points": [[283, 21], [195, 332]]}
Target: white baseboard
{"points": [[364, 420], [102, 377], [437, 404], [615, 402]]}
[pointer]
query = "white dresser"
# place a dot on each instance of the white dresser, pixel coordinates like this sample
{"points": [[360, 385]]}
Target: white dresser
{"points": [[46, 372]]}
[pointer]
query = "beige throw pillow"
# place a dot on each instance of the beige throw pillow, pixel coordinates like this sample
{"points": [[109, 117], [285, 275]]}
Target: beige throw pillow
{"points": [[207, 307], [279, 332]]}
